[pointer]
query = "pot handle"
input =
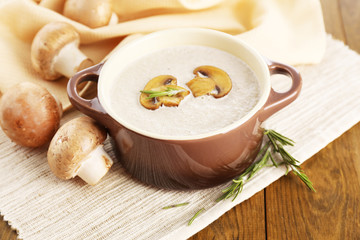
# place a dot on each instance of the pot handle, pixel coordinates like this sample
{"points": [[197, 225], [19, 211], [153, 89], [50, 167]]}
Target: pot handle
{"points": [[90, 107], [276, 100]]}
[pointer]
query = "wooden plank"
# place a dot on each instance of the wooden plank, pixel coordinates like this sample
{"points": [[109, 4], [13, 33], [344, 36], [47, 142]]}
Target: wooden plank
{"points": [[332, 212], [278, 213], [6, 233], [293, 212], [245, 221], [350, 11], [333, 18]]}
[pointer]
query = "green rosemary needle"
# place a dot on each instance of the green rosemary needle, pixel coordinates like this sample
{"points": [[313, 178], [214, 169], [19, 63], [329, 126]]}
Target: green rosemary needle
{"points": [[176, 205], [238, 184], [276, 143], [289, 161], [168, 92], [195, 216]]}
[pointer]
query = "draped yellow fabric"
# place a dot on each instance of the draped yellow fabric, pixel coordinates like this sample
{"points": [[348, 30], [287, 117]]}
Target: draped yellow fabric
{"points": [[289, 31]]}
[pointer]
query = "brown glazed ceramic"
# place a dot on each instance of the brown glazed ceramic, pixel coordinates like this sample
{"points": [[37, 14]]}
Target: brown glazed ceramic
{"points": [[196, 162]]}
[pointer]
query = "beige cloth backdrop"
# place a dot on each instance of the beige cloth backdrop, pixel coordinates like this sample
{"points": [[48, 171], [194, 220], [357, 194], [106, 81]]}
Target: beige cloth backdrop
{"points": [[289, 31]]}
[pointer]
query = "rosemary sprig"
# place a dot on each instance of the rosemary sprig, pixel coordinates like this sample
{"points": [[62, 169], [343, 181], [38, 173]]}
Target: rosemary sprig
{"points": [[176, 205], [275, 144], [169, 91], [195, 216], [288, 160], [238, 183]]}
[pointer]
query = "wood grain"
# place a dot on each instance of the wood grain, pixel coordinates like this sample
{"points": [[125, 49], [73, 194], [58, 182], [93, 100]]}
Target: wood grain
{"points": [[239, 222], [333, 18], [6, 233], [331, 213], [334, 209], [350, 11]]}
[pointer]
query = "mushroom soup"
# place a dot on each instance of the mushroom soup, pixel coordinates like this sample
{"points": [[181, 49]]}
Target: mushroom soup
{"points": [[193, 115]]}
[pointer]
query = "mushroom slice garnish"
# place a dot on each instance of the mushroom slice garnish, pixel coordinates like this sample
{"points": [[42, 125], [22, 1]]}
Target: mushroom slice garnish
{"points": [[162, 90], [201, 86], [210, 80], [174, 95]]}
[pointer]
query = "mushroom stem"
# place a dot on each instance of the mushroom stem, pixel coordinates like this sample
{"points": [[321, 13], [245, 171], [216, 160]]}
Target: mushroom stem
{"points": [[95, 166], [70, 60]]}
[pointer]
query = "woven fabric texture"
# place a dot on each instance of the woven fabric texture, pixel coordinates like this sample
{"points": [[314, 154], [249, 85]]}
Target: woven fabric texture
{"points": [[40, 206]]}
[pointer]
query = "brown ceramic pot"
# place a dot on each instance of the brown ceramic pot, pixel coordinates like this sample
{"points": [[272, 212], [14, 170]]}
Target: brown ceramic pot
{"points": [[197, 161]]}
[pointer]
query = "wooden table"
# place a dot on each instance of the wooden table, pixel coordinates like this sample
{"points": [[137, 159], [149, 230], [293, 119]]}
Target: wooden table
{"points": [[286, 209]]}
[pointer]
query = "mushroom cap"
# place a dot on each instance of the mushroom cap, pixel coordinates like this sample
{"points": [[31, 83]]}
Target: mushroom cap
{"points": [[210, 80], [72, 143], [29, 114], [92, 13], [46, 45], [162, 84]]}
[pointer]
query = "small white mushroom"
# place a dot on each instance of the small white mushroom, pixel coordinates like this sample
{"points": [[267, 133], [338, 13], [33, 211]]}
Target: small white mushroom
{"points": [[29, 114], [55, 51], [92, 13], [77, 150]]}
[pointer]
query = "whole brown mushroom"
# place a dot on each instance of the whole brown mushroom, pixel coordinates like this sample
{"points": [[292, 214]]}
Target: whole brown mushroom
{"points": [[92, 13], [55, 51], [77, 150], [29, 114]]}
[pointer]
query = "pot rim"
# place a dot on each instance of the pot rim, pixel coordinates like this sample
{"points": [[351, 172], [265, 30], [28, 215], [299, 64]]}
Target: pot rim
{"points": [[259, 61]]}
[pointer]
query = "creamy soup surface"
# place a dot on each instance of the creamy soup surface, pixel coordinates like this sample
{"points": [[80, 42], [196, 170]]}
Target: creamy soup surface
{"points": [[193, 116]]}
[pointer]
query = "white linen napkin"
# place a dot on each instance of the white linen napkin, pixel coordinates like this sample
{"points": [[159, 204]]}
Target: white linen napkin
{"points": [[40, 206]]}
